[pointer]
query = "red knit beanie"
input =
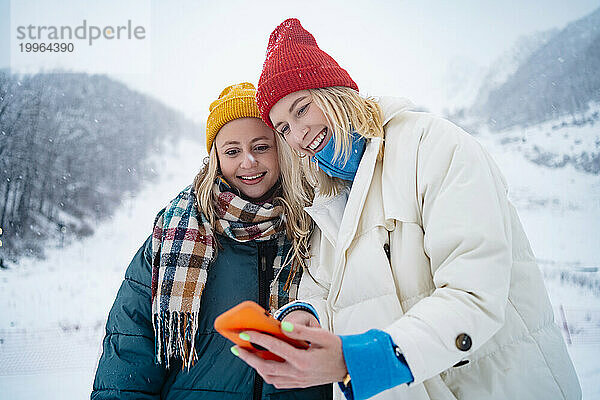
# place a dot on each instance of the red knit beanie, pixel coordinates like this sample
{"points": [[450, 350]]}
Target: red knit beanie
{"points": [[294, 62]]}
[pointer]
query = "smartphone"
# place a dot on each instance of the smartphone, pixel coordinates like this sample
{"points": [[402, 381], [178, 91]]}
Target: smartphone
{"points": [[249, 316]]}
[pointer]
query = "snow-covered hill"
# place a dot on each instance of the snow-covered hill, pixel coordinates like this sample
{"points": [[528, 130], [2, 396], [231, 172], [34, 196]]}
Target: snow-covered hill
{"points": [[509, 62], [467, 85], [541, 97], [560, 77]]}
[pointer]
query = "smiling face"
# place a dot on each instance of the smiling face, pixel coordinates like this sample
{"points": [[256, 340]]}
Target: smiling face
{"points": [[301, 122], [248, 156]]}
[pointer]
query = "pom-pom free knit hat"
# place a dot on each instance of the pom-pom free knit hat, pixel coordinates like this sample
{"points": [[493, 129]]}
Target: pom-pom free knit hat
{"points": [[235, 101], [295, 62]]}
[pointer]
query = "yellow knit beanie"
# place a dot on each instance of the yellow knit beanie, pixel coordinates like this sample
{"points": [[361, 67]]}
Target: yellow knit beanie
{"points": [[235, 101]]}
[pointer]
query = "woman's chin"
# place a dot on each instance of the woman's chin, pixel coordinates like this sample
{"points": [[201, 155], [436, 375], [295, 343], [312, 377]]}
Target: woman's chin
{"points": [[253, 193], [265, 194]]}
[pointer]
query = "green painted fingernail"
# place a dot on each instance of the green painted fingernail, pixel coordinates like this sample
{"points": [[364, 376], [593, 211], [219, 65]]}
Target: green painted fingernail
{"points": [[235, 351], [244, 336], [287, 326]]}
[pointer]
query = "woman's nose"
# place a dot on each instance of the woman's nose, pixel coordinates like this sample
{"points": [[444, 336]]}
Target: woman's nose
{"points": [[249, 161], [299, 134]]}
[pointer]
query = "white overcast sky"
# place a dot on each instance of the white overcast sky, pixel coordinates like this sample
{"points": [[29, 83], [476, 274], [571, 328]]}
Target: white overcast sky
{"points": [[401, 48]]}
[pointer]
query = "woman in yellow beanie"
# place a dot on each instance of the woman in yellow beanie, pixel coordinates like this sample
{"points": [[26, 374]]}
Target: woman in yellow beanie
{"points": [[230, 236]]}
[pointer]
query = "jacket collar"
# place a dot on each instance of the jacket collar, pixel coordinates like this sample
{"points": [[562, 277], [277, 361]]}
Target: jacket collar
{"points": [[337, 217], [393, 106], [327, 212]]}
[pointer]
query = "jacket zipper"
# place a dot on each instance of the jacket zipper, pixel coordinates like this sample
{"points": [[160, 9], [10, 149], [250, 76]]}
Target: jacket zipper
{"points": [[258, 383], [263, 295]]}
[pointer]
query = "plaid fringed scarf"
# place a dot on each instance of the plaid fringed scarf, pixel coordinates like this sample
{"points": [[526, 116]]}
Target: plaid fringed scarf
{"points": [[183, 247]]}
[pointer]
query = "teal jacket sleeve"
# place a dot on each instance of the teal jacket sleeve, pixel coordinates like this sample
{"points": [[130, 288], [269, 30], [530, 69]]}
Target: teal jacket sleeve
{"points": [[127, 368]]}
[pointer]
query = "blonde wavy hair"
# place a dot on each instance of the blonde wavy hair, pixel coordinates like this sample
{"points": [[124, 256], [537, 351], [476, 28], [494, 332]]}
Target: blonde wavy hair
{"points": [[295, 194], [345, 110]]}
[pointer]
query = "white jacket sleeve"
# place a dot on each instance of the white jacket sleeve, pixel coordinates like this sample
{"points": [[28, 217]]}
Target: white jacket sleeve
{"points": [[315, 283], [467, 235]]}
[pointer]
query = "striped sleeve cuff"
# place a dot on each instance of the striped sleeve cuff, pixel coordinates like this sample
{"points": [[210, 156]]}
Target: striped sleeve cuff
{"points": [[293, 306]]}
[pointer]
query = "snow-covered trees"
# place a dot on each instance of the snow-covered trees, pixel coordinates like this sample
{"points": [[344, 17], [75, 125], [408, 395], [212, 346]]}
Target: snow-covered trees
{"points": [[70, 146]]}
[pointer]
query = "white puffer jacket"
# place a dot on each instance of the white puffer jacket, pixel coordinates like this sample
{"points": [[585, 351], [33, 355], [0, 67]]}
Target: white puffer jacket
{"points": [[460, 292]]}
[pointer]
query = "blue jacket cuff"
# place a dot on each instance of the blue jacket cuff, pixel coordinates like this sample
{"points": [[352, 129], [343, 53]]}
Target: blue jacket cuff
{"points": [[374, 364]]}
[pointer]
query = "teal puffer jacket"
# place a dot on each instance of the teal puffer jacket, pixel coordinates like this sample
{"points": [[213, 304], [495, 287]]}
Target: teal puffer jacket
{"points": [[127, 368]]}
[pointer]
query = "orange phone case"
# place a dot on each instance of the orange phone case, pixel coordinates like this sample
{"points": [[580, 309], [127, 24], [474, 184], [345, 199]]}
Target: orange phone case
{"points": [[249, 316]]}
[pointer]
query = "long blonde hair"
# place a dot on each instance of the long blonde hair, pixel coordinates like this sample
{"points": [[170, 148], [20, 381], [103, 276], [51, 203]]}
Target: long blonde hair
{"points": [[345, 110], [295, 194]]}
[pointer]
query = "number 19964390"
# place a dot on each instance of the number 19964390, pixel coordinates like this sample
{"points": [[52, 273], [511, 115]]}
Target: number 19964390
{"points": [[46, 47]]}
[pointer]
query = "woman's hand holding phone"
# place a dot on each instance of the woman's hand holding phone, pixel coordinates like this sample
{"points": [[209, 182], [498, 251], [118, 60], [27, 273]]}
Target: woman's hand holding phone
{"points": [[280, 352], [323, 362]]}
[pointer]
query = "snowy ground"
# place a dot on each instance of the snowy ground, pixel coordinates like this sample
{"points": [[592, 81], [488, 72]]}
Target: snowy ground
{"points": [[53, 311]]}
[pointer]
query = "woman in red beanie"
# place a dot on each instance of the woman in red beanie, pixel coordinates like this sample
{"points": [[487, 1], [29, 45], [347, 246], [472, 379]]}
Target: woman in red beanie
{"points": [[421, 275]]}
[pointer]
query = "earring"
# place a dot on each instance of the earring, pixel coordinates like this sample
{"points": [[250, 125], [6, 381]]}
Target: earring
{"points": [[299, 154]]}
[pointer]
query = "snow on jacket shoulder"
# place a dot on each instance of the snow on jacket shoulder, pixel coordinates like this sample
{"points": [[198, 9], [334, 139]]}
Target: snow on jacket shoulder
{"points": [[427, 247]]}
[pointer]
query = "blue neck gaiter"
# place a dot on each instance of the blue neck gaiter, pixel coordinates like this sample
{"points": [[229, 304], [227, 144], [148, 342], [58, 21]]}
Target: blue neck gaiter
{"points": [[338, 169]]}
